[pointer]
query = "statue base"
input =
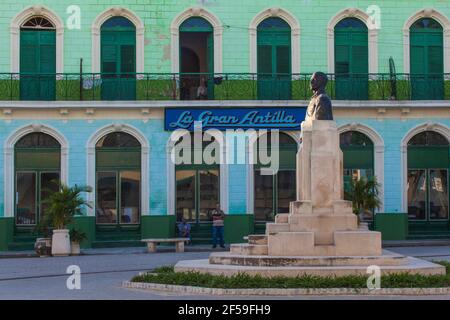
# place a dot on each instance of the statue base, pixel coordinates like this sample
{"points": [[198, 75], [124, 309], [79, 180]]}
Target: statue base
{"points": [[320, 235]]}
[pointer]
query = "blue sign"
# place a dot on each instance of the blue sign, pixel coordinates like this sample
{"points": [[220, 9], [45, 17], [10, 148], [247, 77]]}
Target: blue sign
{"points": [[235, 118]]}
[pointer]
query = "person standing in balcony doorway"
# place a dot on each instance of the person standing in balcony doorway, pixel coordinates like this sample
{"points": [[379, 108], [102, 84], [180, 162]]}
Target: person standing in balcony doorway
{"points": [[218, 217]]}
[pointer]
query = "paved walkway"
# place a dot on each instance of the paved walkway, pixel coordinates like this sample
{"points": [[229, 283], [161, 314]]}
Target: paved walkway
{"points": [[103, 270]]}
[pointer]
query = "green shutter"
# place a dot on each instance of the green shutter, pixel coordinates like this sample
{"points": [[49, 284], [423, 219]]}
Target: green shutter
{"points": [[265, 59], [426, 63], [273, 59], [351, 56], [118, 56], [38, 64]]}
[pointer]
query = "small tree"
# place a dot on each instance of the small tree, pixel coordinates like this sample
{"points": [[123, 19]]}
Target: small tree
{"points": [[64, 204], [364, 194]]}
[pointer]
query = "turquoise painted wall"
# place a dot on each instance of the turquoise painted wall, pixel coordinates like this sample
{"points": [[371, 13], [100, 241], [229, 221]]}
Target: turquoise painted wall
{"points": [[77, 132], [235, 15]]}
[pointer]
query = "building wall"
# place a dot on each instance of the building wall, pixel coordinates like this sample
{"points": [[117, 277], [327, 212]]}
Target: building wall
{"points": [[235, 15], [78, 131]]}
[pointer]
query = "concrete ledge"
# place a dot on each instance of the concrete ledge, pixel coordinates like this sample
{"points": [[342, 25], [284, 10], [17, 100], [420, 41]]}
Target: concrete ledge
{"points": [[228, 258], [412, 266], [286, 292]]}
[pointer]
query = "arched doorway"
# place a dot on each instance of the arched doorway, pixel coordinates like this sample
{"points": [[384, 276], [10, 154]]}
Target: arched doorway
{"points": [[118, 184], [427, 60], [274, 59], [196, 59], [37, 170], [38, 59], [273, 193], [351, 56], [427, 184], [197, 180], [358, 151], [197, 183], [118, 59]]}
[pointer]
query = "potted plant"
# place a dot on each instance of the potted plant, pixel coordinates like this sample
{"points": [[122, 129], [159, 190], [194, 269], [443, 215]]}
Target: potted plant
{"points": [[61, 206], [43, 244], [76, 237], [364, 194]]}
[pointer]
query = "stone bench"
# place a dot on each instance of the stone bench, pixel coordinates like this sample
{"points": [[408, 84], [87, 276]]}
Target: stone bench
{"points": [[179, 243]]}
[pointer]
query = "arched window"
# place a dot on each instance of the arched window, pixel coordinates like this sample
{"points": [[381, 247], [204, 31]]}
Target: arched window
{"points": [[273, 193], [118, 59], [428, 166], [118, 181], [427, 60], [358, 152], [38, 59], [197, 178], [274, 59], [351, 59], [196, 59], [37, 170]]}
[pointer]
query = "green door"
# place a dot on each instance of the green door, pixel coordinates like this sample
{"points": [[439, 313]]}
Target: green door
{"points": [[37, 64], [358, 151], [37, 171], [118, 59], [274, 60], [351, 59], [427, 60], [118, 186], [427, 185]]}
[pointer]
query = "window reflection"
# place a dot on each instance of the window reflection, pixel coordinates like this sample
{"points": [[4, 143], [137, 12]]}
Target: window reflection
{"points": [[417, 194], [438, 194], [106, 197]]}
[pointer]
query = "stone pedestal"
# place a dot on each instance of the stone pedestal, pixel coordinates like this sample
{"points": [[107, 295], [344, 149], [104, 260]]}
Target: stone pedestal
{"points": [[320, 235]]}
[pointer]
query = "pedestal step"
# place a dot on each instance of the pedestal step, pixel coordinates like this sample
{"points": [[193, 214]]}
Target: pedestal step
{"points": [[248, 249], [411, 265], [277, 227], [229, 258], [282, 218], [257, 239]]}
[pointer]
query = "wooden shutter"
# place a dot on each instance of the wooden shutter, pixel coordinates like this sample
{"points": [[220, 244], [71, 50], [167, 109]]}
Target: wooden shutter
{"points": [[29, 51], [265, 59], [283, 60]]}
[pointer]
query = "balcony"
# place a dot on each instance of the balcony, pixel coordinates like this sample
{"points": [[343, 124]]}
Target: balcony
{"points": [[225, 86]]}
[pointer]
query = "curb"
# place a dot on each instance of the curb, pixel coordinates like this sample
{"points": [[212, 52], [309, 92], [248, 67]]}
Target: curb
{"points": [[285, 292]]}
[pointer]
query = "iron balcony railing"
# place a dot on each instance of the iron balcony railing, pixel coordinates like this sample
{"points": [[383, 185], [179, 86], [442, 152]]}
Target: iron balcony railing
{"points": [[224, 86]]}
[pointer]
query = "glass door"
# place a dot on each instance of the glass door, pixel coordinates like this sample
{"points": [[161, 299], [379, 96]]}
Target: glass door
{"points": [[32, 188], [118, 195], [428, 197], [197, 192]]}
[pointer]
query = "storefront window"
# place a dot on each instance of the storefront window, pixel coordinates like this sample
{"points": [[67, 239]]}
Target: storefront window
{"points": [[274, 193], [358, 153], [428, 163], [37, 165], [197, 182], [118, 158]]}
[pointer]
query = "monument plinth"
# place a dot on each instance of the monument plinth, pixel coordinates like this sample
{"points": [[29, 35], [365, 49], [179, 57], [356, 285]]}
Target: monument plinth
{"points": [[320, 235], [321, 221]]}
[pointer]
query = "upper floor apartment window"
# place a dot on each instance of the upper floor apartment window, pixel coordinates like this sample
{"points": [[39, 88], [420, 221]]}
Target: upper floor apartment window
{"points": [[427, 60], [351, 59], [274, 59], [196, 59], [118, 59], [37, 59]]}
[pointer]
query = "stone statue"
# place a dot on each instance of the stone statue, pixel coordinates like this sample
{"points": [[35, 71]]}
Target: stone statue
{"points": [[319, 107]]}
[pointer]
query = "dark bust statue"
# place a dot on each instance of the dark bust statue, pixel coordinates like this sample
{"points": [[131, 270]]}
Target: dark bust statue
{"points": [[319, 107]]}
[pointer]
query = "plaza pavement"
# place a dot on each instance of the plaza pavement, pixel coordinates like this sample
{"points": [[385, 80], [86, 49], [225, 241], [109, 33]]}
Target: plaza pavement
{"points": [[103, 270]]}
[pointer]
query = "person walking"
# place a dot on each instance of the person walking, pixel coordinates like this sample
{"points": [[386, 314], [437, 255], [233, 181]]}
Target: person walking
{"points": [[218, 217]]}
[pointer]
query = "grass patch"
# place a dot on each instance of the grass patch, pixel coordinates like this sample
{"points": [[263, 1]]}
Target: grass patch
{"points": [[167, 275]]}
